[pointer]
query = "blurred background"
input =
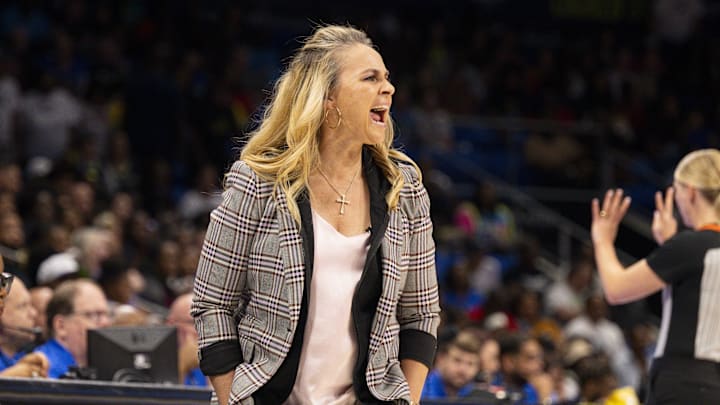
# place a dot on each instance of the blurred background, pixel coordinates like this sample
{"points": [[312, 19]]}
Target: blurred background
{"points": [[118, 119]]}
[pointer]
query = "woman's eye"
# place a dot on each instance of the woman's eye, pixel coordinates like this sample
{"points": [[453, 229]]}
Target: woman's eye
{"points": [[371, 78]]}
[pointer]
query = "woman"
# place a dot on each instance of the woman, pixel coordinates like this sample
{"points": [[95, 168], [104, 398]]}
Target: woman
{"points": [[317, 279], [686, 266]]}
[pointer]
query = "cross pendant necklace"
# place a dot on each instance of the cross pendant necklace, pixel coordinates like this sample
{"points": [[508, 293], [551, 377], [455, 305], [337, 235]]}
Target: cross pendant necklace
{"points": [[342, 199]]}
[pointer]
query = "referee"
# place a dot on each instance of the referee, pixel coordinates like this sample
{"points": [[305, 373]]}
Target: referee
{"points": [[686, 266]]}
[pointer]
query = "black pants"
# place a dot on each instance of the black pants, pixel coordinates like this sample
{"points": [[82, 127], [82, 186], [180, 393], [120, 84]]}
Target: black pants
{"points": [[684, 381]]}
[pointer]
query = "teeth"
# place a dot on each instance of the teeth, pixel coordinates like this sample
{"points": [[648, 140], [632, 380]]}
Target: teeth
{"points": [[378, 109]]}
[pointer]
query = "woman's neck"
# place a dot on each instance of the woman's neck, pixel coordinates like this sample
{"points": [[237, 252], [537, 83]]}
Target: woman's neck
{"points": [[705, 218], [339, 158]]}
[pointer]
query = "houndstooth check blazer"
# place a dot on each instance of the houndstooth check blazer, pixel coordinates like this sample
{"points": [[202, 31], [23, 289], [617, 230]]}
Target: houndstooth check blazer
{"points": [[250, 281]]}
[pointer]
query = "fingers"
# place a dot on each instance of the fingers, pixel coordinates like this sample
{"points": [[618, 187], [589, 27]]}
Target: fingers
{"points": [[665, 205], [669, 199], [659, 204], [595, 208], [614, 206], [624, 205], [607, 201]]}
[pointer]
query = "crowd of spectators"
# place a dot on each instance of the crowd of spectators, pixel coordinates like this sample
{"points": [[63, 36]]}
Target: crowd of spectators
{"points": [[117, 120]]}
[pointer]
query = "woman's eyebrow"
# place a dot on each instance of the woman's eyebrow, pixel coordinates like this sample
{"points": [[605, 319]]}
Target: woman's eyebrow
{"points": [[376, 71]]}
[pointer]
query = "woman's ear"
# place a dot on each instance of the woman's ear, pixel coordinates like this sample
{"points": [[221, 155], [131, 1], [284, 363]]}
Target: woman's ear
{"points": [[330, 102]]}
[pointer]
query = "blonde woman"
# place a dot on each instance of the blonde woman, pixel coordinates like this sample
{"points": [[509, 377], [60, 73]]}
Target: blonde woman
{"points": [[316, 283], [686, 266]]}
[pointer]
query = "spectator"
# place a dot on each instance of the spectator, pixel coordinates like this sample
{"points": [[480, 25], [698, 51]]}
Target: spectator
{"points": [[485, 270], [57, 268], [10, 177], [46, 115], [179, 316], [489, 359], [204, 197], [93, 246], [565, 299], [598, 384], [16, 325], [76, 306], [457, 292], [455, 369], [606, 336], [521, 369], [122, 284], [490, 222], [13, 237], [30, 365], [531, 319], [119, 168]]}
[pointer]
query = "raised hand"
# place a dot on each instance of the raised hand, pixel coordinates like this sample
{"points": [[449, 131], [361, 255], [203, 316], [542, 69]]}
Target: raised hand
{"points": [[606, 219], [664, 224]]}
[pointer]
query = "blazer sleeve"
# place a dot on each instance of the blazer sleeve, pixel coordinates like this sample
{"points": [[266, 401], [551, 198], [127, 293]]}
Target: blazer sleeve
{"points": [[419, 304], [221, 276]]}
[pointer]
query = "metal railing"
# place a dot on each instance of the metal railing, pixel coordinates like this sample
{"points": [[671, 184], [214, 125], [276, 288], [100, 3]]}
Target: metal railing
{"points": [[540, 214], [527, 198]]}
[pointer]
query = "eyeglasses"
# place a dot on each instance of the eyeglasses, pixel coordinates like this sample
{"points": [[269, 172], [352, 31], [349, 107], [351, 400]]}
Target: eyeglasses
{"points": [[6, 280], [94, 316]]}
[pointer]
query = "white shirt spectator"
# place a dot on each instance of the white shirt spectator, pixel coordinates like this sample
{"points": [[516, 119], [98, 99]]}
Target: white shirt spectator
{"points": [[47, 120], [607, 336]]}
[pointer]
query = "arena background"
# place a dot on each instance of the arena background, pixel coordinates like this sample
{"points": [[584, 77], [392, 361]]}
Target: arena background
{"points": [[519, 112]]}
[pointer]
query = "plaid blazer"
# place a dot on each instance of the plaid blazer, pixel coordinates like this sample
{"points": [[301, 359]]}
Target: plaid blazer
{"points": [[250, 281]]}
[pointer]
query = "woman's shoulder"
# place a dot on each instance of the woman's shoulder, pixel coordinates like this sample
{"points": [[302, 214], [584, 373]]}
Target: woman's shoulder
{"points": [[692, 241], [696, 235], [241, 175], [409, 170], [413, 196]]}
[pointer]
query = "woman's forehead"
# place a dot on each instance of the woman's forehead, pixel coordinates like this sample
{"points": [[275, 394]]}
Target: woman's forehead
{"points": [[358, 58]]}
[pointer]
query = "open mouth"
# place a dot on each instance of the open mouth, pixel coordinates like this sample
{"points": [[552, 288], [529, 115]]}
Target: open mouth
{"points": [[378, 115]]}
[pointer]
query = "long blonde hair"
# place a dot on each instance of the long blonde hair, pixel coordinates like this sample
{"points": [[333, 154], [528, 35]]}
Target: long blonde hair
{"points": [[701, 169], [284, 149]]}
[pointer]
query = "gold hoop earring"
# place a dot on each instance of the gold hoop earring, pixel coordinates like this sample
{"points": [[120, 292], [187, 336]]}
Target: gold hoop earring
{"points": [[338, 121]]}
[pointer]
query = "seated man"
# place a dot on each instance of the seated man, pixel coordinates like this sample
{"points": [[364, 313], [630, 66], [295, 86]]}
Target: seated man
{"points": [[16, 325], [455, 369], [15, 363], [522, 373], [188, 361], [76, 306]]}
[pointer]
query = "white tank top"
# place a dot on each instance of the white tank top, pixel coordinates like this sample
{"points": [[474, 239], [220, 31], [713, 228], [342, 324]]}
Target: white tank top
{"points": [[329, 348]]}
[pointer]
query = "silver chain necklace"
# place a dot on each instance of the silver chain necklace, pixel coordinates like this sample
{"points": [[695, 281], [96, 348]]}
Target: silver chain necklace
{"points": [[342, 200]]}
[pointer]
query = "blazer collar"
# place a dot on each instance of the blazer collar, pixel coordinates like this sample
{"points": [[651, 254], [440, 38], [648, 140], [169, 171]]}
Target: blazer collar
{"points": [[379, 187]]}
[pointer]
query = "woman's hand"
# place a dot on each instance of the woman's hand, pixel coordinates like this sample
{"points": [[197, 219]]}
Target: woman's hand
{"points": [[664, 224], [605, 220]]}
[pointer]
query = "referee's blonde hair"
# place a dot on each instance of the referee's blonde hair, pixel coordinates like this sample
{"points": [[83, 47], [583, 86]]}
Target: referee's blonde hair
{"points": [[701, 170], [284, 148]]}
